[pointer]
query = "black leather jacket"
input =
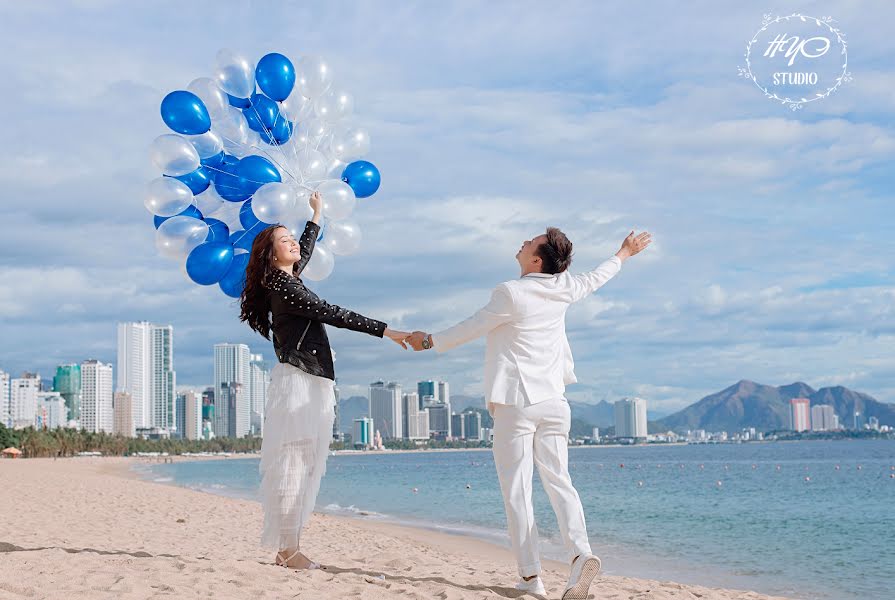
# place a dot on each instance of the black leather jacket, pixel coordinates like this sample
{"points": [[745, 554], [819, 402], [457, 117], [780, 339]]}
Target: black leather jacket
{"points": [[299, 337]]}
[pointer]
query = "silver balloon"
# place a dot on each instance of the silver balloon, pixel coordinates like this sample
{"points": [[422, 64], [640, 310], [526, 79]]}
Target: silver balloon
{"points": [[342, 237], [214, 99], [235, 74], [232, 128], [338, 199], [296, 107], [176, 237], [273, 202], [321, 264], [207, 144], [313, 77], [334, 105], [210, 203], [167, 197], [312, 164], [173, 155]]}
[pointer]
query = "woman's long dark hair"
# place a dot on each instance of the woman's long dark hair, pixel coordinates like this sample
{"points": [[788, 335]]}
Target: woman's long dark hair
{"points": [[255, 302]]}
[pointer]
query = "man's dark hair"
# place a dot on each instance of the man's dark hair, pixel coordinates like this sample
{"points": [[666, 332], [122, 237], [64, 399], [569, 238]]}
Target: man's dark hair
{"points": [[555, 253]]}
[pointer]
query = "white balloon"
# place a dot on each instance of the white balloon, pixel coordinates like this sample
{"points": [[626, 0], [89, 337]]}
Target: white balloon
{"points": [[273, 202], [214, 99], [176, 237], [232, 129], [312, 164], [348, 144], [310, 132], [338, 199], [210, 203], [300, 211], [235, 74], [321, 264], [207, 144], [167, 197], [342, 237], [229, 214], [296, 107], [174, 155], [334, 105], [335, 168], [313, 77]]}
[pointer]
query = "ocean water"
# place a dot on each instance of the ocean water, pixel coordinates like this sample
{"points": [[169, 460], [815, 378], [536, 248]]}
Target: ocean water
{"points": [[811, 519]]}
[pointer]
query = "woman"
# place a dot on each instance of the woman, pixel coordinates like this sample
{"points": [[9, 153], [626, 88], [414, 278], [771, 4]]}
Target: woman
{"points": [[299, 413]]}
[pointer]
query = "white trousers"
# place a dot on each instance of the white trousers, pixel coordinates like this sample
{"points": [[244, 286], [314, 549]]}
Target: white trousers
{"points": [[524, 436]]}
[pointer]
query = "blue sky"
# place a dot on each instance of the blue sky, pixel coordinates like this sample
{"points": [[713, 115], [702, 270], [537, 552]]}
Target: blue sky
{"points": [[773, 257]]}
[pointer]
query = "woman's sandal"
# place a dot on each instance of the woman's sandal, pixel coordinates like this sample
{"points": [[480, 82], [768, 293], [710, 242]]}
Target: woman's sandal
{"points": [[285, 563]]}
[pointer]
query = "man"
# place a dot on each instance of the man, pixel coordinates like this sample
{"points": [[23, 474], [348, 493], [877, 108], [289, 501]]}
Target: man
{"points": [[528, 363]]}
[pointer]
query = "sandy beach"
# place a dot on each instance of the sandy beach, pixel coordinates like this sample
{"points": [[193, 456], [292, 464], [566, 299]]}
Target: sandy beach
{"points": [[89, 528]]}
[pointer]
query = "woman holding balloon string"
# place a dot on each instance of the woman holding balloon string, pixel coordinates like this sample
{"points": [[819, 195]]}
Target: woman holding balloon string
{"points": [[299, 411]]}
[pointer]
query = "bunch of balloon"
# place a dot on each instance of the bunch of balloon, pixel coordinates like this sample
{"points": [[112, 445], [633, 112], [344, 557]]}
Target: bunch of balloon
{"points": [[250, 145]]}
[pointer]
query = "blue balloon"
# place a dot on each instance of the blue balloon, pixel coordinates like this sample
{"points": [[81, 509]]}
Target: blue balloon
{"points": [[198, 180], [238, 102], [234, 280], [189, 211], [363, 177], [253, 121], [247, 217], [209, 262], [254, 171], [275, 76], [217, 231], [244, 239], [214, 161], [228, 184], [185, 113], [263, 111], [281, 132]]}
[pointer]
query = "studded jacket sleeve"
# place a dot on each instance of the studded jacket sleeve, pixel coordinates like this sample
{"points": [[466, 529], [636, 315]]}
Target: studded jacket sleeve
{"points": [[306, 244], [290, 296]]}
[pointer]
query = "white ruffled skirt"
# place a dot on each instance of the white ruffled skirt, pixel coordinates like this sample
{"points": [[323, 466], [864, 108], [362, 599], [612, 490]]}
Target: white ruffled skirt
{"points": [[298, 425]]}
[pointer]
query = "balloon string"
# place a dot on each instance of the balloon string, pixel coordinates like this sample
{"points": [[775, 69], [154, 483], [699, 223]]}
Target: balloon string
{"points": [[271, 136], [276, 162]]}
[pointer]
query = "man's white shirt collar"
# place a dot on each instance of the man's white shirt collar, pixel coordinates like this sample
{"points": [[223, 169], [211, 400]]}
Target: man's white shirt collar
{"points": [[539, 275]]}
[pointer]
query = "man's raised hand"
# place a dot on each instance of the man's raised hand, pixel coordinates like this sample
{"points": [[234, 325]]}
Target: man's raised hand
{"points": [[633, 245]]}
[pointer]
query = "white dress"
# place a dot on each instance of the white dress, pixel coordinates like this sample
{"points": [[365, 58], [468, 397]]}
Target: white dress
{"points": [[298, 425]]}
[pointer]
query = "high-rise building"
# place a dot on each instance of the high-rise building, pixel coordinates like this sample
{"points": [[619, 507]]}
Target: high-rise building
{"points": [[472, 424], [123, 415], [231, 366], [415, 421], [96, 396], [800, 414], [146, 372], [362, 433], [444, 392], [192, 415], [5, 414], [67, 382], [385, 409], [439, 419], [51, 411], [259, 381], [823, 418], [337, 435], [23, 400], [458, 429], [427, 388], [858, 422], [595, 434], [630, 419]]}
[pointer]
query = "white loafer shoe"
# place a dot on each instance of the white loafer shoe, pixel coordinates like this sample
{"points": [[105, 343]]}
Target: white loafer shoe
{"points": [[583, 572], [532, 586]]}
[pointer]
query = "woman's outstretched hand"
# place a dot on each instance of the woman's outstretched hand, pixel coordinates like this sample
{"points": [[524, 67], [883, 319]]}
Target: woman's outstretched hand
{"points": [[396, 336]]}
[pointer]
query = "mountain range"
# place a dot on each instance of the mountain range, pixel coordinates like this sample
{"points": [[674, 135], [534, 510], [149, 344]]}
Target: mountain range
{"points": [[742, 405]]}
